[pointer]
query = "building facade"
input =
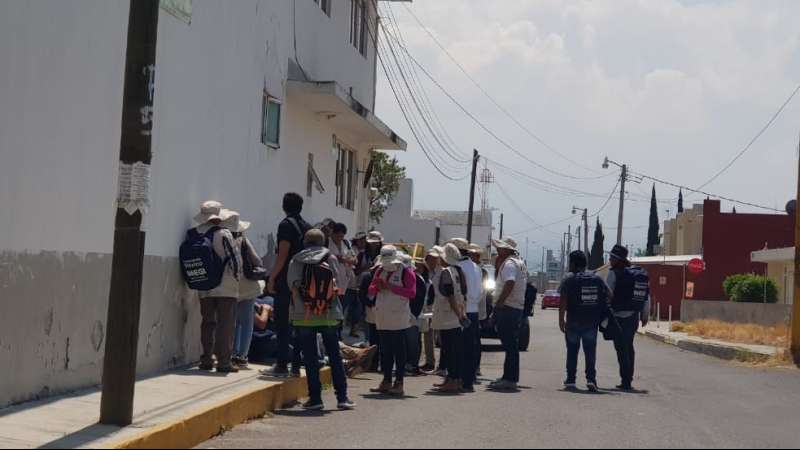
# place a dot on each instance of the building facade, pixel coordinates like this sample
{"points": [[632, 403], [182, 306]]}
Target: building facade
{"points": [[253, 99]]}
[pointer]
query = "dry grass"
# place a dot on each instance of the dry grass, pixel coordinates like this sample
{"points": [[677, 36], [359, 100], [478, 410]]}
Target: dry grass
{"points": [[776, 336]]}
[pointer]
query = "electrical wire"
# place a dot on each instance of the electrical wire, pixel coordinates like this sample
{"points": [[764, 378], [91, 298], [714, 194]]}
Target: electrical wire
{"points": [[490, 97], [610, 197], [754, 140]]}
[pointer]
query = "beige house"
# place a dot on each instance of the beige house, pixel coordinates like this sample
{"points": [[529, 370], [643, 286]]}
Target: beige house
{"points": [[780, 269], [684, 234]]}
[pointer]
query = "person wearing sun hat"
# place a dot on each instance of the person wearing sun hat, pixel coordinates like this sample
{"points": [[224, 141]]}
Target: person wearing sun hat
{"points": [[432, 270], [449, 312], [512, 279], [249, 289], [393, 286], [471, 335], [218, 306], [476, 254]]}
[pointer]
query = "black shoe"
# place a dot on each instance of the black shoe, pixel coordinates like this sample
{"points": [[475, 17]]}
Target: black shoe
{"points": [[230, 369], [592, 386], [570, 385], [296, 373], [276, 371], [625, 387], [206, 367], [313, 405]]}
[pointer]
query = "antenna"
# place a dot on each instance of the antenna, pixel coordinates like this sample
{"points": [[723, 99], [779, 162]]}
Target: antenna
{"points": [[487, 178]]}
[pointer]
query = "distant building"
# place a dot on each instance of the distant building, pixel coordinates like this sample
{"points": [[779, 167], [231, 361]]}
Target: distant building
{"points": [[402, 223], [780, 269]]}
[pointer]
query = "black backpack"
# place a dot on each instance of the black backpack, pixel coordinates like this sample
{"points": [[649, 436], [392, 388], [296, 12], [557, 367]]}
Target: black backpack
{"points": [[418, 302], [632, 289], [587, 297], [251, 271]]}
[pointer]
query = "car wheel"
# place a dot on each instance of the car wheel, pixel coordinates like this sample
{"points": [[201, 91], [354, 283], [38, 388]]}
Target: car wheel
{"points": [[525, 337]]}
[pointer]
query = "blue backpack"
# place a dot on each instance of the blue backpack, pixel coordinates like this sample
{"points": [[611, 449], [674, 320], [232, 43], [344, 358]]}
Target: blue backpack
{"points": [[201, 266]]}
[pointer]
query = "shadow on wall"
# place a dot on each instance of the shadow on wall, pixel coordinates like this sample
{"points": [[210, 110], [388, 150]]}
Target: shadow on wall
{"points": [[53, 315]]}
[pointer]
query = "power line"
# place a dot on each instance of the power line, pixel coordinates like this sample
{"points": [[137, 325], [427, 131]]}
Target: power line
{"points": [[490, 97], [483, 126], [610, 197], [753, 141]]}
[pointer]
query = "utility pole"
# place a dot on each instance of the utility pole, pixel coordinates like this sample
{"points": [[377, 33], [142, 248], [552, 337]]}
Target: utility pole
{"points": [[502, 220], [125, 298], [580, 238], [796, 306], [475, 159], [622, 180], [569, 240], [586, 231]]}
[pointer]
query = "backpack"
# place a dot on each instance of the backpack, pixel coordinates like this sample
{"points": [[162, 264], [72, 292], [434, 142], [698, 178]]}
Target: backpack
{"points": [[318, 289], [251, 271], [587, 297], [418, 302], [202, 268], [632, 289]]}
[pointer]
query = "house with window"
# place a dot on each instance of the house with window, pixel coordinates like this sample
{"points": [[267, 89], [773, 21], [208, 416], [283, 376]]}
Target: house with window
{"points": [[253, 99]]}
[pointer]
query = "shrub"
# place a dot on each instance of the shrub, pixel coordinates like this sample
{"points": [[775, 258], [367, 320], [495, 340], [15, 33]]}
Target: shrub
{"points": [[753, 288], [732, 282]]}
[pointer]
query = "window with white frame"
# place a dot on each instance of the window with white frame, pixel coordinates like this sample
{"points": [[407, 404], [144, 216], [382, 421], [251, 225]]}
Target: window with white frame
{"points": [[359, 22], [346, 178], [271, 121], [325, 6]]}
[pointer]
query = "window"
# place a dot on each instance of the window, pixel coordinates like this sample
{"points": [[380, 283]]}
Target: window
{"points": [[346, 178], [325, 6], [314, 181], [271, 122], [359, 16]]}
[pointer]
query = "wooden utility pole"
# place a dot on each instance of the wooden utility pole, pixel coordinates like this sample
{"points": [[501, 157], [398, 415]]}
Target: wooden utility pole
{"points": [[502, 219], [796, 306], [622, 181], [124, 305], [475, 159]]}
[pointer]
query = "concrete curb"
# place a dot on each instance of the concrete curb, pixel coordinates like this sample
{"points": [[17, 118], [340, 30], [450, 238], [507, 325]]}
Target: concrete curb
{"points": [[729, 352], [202, 425]]}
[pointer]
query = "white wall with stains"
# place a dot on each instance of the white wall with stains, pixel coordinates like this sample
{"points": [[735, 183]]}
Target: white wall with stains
{"points": [[61, 81]]}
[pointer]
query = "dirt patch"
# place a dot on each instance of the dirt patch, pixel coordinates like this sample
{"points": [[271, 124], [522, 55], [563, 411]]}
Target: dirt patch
{"points": [[776, 336]]}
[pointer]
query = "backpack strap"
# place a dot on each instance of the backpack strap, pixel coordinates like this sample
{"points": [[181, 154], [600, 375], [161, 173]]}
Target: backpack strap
{"points": [[296, 226], [231, 258]]}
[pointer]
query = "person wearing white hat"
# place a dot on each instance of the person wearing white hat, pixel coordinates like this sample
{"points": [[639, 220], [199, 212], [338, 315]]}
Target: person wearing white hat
{"points": [[393, 286], [509, 307], [251, 286], [218, 306], [471, 335], [432, 270], [476, 254], [449, 313]]}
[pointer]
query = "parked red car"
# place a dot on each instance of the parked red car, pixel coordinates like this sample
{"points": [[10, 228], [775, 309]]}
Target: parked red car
{"points": [[552, 299]]}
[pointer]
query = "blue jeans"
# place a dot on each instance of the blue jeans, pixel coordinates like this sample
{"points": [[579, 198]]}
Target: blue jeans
{"points": [[307, 337], [509, 324], [245, 318], [586, 335], [626, 352], [471, 353]]}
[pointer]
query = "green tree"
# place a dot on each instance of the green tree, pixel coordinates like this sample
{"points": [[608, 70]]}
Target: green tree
{"points": [[680, 202], [654, 233], [386, 178], [597, 257]]}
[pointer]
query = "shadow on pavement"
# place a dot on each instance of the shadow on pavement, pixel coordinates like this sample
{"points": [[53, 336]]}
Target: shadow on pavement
{"points": [[299, 413], [387, 397]]}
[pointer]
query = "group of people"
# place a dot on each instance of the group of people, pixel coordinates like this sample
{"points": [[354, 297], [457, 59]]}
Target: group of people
{"points": [[321, 285], [616, 306]]}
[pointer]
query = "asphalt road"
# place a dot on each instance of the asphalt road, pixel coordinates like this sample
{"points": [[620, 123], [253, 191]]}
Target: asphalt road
{"points": [[687, 401]]}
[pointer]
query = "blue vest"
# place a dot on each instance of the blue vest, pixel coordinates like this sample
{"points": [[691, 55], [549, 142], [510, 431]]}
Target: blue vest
{"points": [[632, 289], [587, 298]]}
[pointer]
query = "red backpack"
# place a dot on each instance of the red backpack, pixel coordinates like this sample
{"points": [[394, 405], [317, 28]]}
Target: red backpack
{"points": [[318, 289]]}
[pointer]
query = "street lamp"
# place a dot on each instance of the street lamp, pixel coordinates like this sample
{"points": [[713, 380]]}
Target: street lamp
{"points": [[585, 217]]}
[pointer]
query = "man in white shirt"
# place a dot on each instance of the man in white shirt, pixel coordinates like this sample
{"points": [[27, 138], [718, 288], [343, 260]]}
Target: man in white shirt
{"points": [[509, 309]]}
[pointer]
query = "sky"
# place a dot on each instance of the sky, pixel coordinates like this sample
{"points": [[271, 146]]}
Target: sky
{"points": [[675, 89]]}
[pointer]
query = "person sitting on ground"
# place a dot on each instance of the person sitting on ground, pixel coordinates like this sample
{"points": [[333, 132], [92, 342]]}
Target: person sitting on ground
{"points": [[394, 285], [584, 304], [316, 310]]}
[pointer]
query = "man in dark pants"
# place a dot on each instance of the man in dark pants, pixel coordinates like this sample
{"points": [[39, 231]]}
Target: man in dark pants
{"points": [[584, 303], [512, 277], [627, 313], [291, 233]]}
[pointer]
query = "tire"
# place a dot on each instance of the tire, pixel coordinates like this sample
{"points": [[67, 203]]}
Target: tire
{"points": [[525, 336]]}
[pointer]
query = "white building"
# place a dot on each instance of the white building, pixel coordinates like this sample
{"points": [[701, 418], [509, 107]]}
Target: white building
{"points": [[402, 223], [254, 98]]}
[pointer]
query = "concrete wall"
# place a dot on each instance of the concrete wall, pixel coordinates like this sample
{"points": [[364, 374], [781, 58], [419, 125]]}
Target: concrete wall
{"points": [[745, 313], [398, 224], [61, 81]]}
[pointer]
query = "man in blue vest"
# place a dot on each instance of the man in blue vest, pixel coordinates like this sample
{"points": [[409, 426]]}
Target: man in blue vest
{"points": [[584, 304], [631, 305]]}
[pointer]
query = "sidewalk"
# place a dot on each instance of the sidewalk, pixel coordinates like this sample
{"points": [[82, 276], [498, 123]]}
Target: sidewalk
{"points": [[179, 409], [711, 347]]}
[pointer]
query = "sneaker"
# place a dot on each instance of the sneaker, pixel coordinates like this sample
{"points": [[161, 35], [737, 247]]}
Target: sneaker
{"points": [[313, 405], [346, 405], [592, 387], [206, 367], [625, 387], [570, 385], [504, 385], [230, 369]]}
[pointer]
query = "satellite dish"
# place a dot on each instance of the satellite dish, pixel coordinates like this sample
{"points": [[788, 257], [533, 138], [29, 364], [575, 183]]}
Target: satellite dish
{"points": [[791, 207], [368, 174]]}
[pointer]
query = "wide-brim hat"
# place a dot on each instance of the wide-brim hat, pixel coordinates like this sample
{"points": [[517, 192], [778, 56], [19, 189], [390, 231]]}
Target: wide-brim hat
{"points": [[360, 236], [451, 255], [232, 220], [435, 252], [375, 237], [209, 211], [505, 244], [620, 253], [460, 243], [476, 249]]}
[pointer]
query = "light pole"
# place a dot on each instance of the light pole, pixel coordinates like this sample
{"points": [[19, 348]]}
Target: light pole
{"points": [[622, 180]]}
